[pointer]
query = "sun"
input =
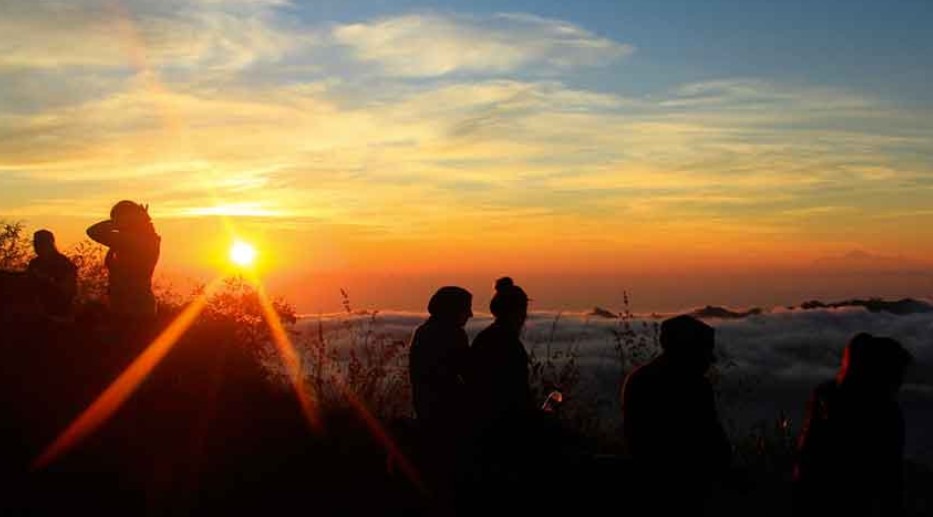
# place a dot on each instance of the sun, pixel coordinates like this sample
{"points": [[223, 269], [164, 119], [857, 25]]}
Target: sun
{"points": [[242, 254]]}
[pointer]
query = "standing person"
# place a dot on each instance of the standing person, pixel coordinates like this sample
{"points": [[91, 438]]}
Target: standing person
{"points": [[499, 362], [851, 448], [437, 363], [53, 275], [502, 406], [131, 259], [671, 429], [438, 358]]}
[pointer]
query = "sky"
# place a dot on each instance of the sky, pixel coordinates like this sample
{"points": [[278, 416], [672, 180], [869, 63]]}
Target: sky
{"points": [[687, 153]]}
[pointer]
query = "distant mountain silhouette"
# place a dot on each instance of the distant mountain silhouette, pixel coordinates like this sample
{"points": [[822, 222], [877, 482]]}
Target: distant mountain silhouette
{"points": [[711, 311], [899, 307], [600, 312]]}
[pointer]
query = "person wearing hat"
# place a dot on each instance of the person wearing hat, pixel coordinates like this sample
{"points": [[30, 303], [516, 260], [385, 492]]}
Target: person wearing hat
{"points": [[670, 426], [133, 251]]}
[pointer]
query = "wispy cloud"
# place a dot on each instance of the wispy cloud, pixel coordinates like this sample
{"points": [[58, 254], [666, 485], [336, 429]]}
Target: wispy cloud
{"points": [[122, 34], [420, 45]]}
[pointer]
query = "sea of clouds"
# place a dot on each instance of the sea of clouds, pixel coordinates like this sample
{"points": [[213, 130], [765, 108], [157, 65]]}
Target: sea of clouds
{"points": [[767, 363]]}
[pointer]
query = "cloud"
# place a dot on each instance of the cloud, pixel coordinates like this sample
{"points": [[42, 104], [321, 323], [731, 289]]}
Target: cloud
{"points": [[581, 157], [751, 94], [134, 34], [425, 45]]}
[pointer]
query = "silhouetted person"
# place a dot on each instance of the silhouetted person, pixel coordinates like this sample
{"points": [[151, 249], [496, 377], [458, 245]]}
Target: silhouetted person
{"points": [[499, 363], [501, 401], [438, 360], [437, 366], [671, 429], [131, 259], [852, 443], [53, 275]]}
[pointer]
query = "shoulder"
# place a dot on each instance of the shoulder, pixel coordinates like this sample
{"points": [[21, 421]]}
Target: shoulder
{"points": [[484, 336], [825, 390], [419, 335], [646, 378], [821, 399], [636, 379], [64, 261], [645, 372]]}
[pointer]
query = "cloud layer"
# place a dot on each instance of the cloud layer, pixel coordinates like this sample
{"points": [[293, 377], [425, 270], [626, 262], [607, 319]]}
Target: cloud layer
{"points": [[768, 362]]}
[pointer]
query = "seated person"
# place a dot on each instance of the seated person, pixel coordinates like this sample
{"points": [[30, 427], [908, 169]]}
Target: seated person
{"points": [[53, 275]]}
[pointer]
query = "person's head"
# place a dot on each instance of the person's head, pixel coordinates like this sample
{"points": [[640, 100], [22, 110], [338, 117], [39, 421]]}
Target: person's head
{"points": [[43, 241], [874, 362], [451, 304], [688, 342], [128, 215], [510, 303]]}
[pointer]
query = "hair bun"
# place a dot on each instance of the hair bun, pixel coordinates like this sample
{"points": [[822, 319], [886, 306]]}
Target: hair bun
{"points": [[504, 283]]}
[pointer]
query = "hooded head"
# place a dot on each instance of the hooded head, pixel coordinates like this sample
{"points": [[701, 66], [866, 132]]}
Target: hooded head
{"points": [[873, 362], [451, 304], [688, 342]]}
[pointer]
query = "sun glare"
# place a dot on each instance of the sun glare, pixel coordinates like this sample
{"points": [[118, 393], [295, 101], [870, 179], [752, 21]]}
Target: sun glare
{"points": [[242, 254]]}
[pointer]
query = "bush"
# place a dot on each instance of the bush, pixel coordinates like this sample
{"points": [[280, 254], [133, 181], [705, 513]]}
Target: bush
{"points": [[15, 247]]}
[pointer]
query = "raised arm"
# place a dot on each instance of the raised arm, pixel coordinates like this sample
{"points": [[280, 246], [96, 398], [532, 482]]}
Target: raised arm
{"points": [[103, 232]]}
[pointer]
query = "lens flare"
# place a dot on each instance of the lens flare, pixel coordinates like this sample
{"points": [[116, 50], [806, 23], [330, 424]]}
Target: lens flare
{"points": [[124, 386], [308, 400]]}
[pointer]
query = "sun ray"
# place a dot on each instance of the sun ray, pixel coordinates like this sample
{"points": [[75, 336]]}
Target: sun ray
{"points": [[290, 359], [120, 390], [309, 403], [379, 433]]}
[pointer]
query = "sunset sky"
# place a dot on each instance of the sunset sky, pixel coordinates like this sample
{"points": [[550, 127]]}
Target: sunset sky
{"points": [[722, 152]]}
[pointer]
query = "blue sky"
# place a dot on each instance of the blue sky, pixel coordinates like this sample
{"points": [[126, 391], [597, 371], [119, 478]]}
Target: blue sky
{"points": [[881, 47]]}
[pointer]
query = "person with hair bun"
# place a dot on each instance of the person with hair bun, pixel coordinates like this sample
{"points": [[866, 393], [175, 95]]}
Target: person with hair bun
{"points": [[133, 251], [502, 403], [499, 362]]}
